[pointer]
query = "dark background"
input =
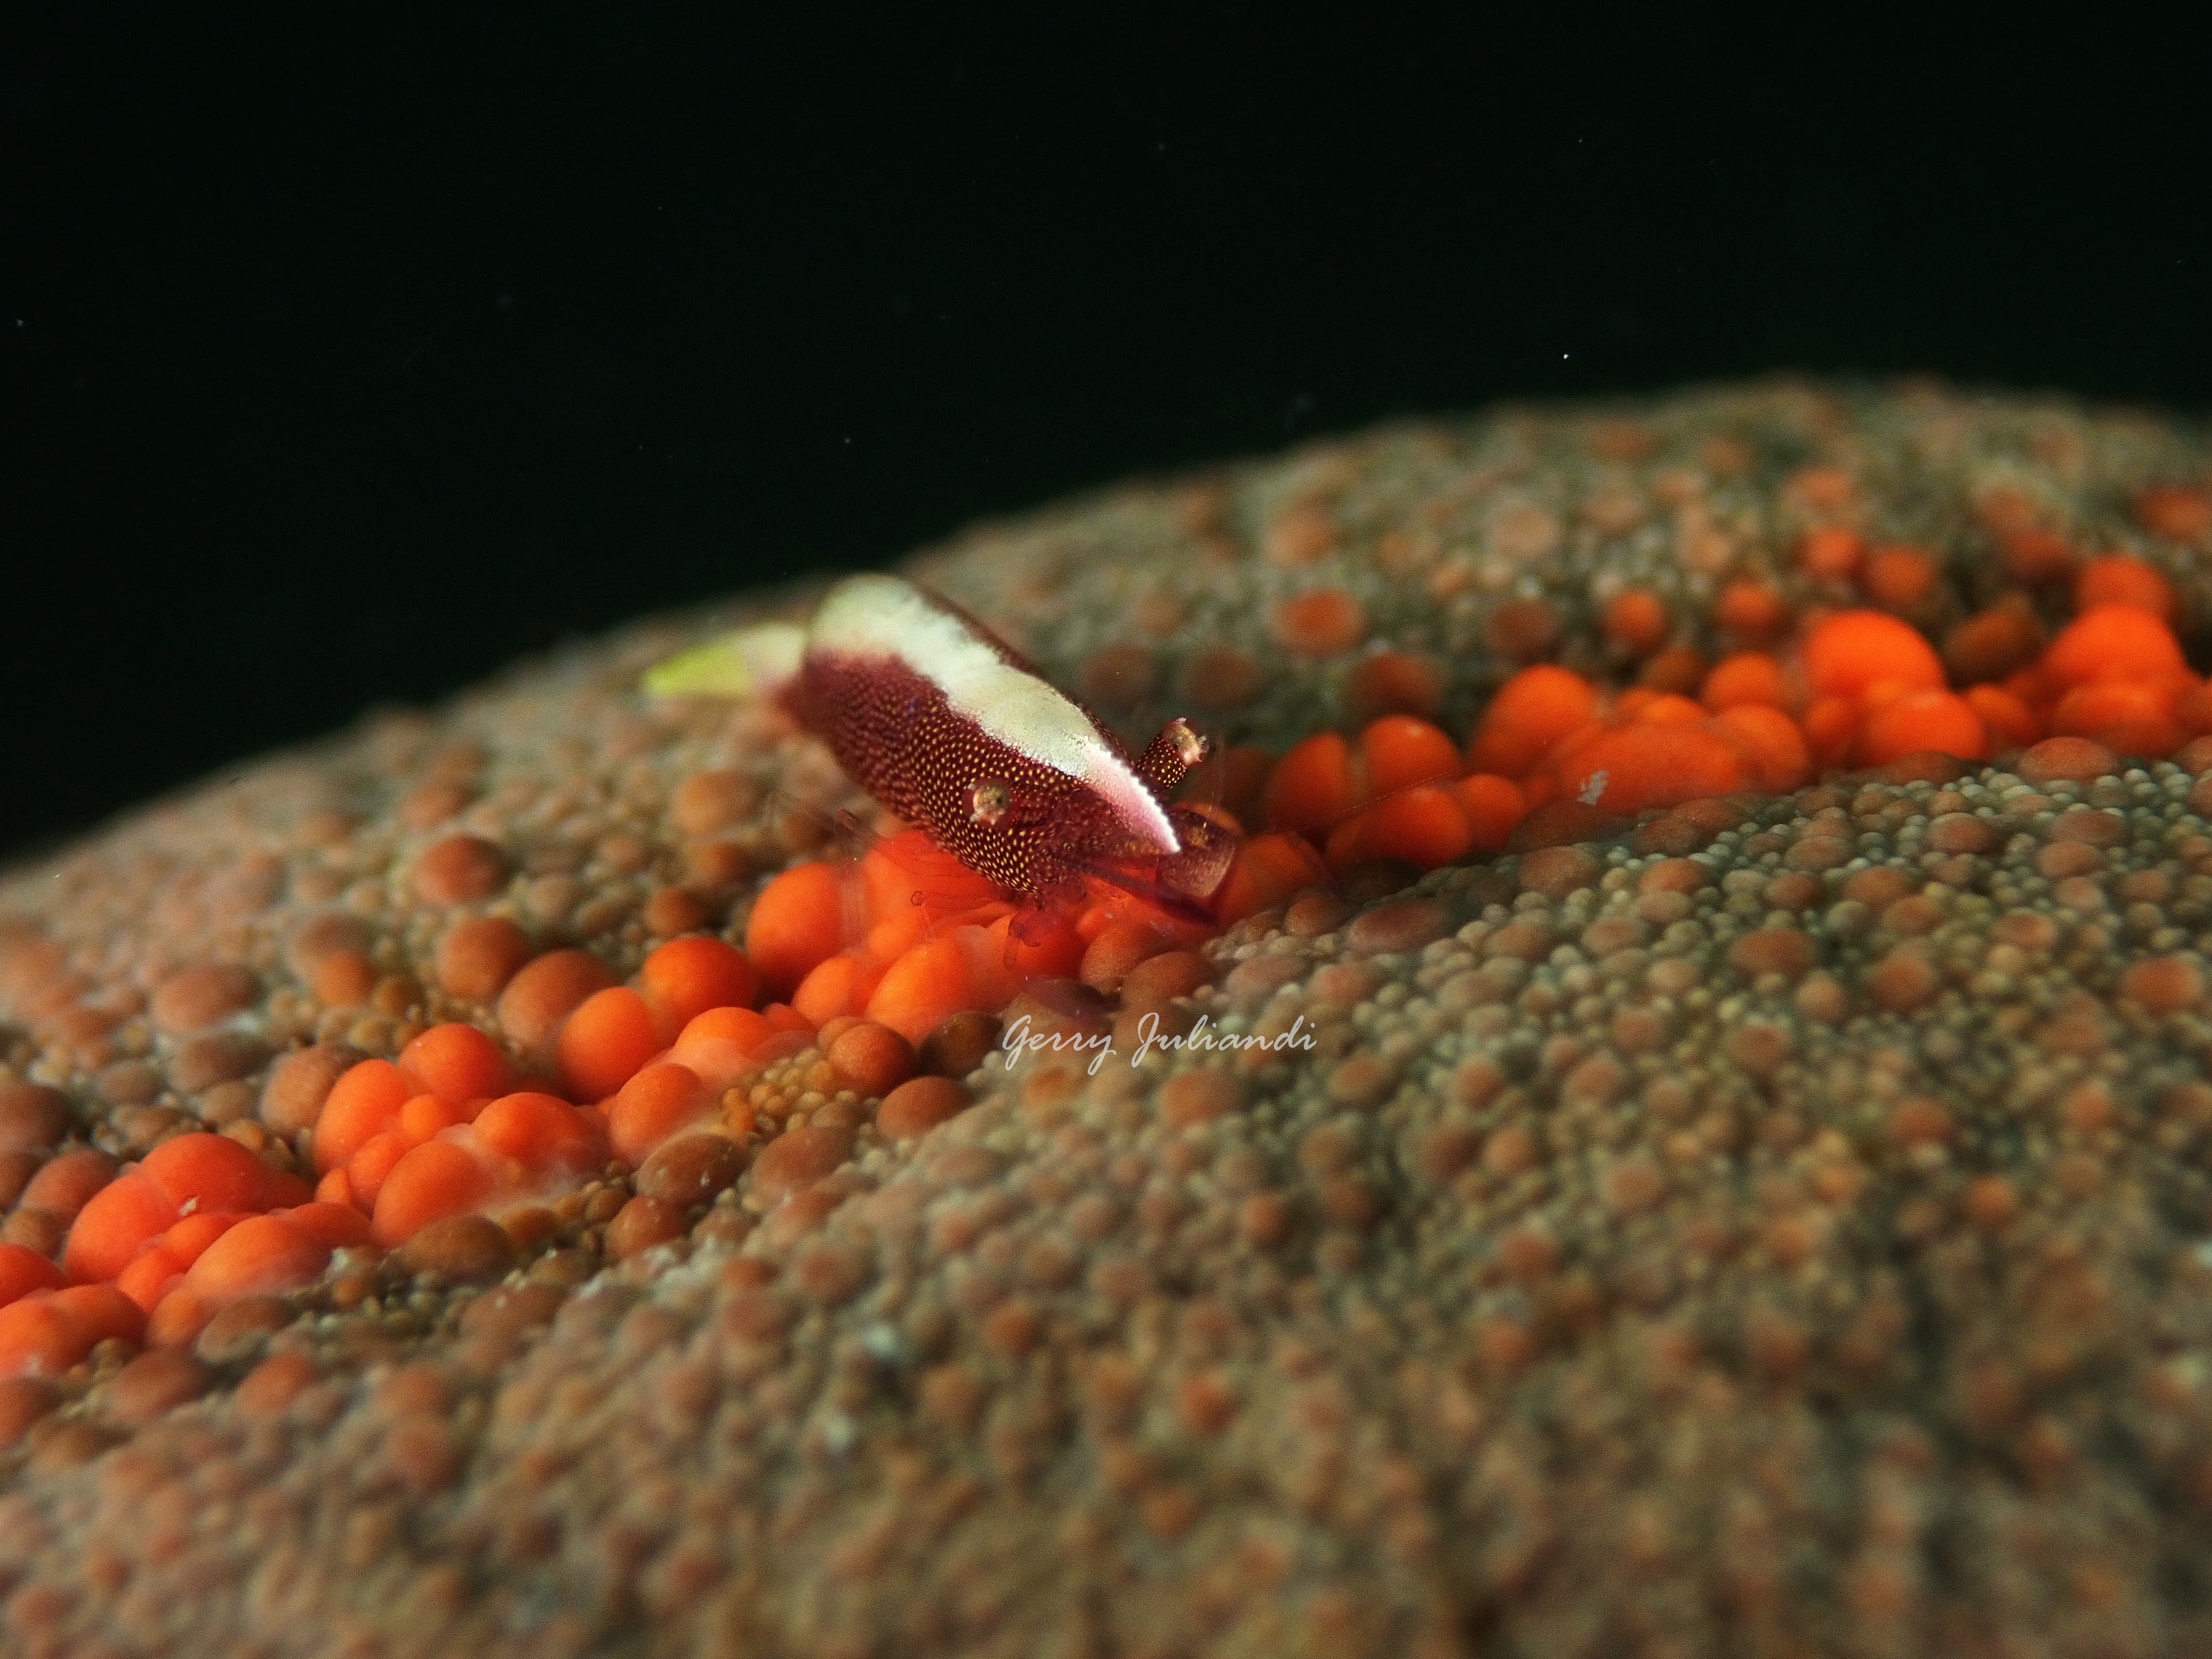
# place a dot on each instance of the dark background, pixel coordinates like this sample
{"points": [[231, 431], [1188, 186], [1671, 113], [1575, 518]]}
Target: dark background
{"points": [[348, 352]]}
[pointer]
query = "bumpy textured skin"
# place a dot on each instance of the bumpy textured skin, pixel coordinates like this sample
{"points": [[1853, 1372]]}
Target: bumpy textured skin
{"points": [[1781, 1239]]}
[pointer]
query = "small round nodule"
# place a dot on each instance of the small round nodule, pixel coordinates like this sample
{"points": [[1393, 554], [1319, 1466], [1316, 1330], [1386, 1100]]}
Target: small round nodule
{"points": [[988, 802], [1191, 745]]}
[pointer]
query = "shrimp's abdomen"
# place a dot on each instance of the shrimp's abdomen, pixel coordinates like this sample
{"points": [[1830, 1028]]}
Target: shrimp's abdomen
{"points": [[897, 735], [956, 732]]}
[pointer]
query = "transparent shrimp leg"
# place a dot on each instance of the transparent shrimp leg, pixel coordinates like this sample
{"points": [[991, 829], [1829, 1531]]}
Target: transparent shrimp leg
{"points": [[1046, 911]]}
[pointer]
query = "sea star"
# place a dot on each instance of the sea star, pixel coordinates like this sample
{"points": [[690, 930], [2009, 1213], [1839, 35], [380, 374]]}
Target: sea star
{"points": [[1772, 1228]]}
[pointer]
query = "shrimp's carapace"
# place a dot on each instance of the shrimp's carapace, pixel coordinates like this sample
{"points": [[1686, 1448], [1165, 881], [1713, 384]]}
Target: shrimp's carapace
{"points": [[955, 732]]}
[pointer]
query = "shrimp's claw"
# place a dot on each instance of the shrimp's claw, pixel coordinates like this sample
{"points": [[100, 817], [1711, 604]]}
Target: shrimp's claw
{"points": [[1173, 752], [1209, 844], [1180, 883], [750, 662]]}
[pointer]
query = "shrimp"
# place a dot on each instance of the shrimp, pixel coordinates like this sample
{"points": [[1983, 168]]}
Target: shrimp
{"points": [[953, 730]]}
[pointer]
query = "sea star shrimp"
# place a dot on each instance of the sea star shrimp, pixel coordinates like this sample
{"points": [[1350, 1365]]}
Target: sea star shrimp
{"points": [[958, 733]]}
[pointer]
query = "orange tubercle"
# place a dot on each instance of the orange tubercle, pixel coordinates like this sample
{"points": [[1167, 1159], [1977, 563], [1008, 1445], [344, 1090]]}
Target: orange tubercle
{"points": [[659, 1101], [719, 1044], [1918, 721], [2116, 579], [1493, 805], [23, 1270], [2130, 717], [685, 977], [1636, 622], [544, 1134], [1629, 768], [262, 1255], [2113, 643], [1831, 554], [434, 1181], [1311, 786], [955, 973], [1326, 622], [1268, 869], [1749, 677], [2011, 723], [1399, 752], [44, 1333], [362, 1103], [1898, 578], [1852, 650], [1775, 754], [604, 1042], [1031, 945], [797, 922], [109, 1231], [839, 985], [1425, 825], [1531, 711], [1751, 609], [457, 1063]]}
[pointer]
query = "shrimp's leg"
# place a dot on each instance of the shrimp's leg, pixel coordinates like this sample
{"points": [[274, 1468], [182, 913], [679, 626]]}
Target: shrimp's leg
{"points": [[1179, 883], [1042, 930], [1045, 909]]}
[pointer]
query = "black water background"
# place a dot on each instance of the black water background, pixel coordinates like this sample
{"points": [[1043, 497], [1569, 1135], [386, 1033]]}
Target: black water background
{"points": [[347, 353]]}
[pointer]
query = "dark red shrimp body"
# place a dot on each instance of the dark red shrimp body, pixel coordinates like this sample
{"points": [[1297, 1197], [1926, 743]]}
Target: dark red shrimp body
{"points": [[950, 728]]}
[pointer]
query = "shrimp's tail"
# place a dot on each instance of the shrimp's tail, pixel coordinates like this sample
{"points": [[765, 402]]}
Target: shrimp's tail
{"points": [[750, 662]]}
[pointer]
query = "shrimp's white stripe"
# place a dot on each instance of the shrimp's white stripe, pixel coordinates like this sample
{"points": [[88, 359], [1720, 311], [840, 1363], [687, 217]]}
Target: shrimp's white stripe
{"points": [[887, 616]]}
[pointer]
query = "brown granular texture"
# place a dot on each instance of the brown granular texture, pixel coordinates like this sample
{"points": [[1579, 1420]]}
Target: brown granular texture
{"points": [[1770, 1231]]}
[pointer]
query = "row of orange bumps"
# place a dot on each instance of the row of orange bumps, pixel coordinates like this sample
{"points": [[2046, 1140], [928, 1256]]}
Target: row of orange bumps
{"points": [[1859, 688], [871, 957], [448, 1129]]}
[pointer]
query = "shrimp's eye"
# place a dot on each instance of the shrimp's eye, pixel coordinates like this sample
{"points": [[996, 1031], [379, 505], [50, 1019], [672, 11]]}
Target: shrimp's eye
{"points": [[1191, 745], [988, 802]]}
